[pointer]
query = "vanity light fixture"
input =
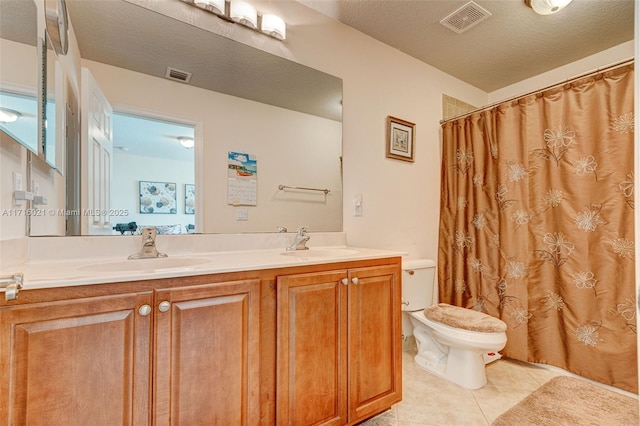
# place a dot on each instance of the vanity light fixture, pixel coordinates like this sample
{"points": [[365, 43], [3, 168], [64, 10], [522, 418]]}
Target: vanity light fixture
{"points": [[8, 115], [243, 13], [547, 7], [214, 6], [186, 142], [274, 26]]}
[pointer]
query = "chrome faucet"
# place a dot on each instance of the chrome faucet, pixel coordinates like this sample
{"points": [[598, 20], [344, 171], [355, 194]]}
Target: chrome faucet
{"points": [[148, 250], [300, 241]]}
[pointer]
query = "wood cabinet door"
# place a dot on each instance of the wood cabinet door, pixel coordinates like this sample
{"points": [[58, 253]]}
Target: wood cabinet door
{"points": [[207, 354], [76, 362], [311, 377], [375, 349]]}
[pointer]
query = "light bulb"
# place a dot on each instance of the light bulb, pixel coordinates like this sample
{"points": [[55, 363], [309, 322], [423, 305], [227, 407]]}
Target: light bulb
{"points": [[547, 7], [243, 13], [215, 6], [186, 142], [8, 115], [274, 26]]}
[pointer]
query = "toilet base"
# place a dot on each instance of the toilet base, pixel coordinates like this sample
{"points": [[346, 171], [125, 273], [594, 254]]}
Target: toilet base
{"points": [[462, 367], [491, 356]]}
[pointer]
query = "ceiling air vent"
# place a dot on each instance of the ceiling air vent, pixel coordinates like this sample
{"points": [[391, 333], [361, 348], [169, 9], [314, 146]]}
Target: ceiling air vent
{"points": [[178, 75], [465, 17]]}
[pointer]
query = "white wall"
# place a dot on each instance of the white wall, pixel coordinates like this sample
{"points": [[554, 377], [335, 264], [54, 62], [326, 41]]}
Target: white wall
{"points": [[128, 170], [307, 154]]}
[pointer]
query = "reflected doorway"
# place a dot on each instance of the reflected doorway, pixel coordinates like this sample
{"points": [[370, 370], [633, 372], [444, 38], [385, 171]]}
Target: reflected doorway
{"points": [[153, 175]]}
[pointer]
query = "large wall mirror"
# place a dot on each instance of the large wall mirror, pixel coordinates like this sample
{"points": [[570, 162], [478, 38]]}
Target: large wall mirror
{"points": [[266, 131]]}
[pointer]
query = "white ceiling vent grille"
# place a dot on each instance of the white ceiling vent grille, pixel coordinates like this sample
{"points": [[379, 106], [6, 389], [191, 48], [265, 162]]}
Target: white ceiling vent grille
{"points": [[465, 17], [178, 75]]}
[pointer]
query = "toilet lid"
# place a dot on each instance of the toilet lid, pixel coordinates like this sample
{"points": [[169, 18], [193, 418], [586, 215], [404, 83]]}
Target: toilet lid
{"points": [[466, 319]]}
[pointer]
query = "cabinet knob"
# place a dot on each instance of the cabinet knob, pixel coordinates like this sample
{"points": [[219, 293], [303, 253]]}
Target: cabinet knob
{"points": [[164, 306], [144, 310], [345, 281], [355, 280]]}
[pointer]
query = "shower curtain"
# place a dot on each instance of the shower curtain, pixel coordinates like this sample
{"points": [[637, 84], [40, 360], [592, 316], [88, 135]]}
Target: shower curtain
{"points": [[536, 224]]}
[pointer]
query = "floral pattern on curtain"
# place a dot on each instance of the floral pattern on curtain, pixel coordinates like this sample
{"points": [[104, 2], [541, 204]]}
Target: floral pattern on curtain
{"points": [[537, 224]]}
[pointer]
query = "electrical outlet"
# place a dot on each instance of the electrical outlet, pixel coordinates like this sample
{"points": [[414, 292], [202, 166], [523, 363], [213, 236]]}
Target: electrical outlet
{"points": [[357, 205], [17, 186], [242, 214], [17, 181]]}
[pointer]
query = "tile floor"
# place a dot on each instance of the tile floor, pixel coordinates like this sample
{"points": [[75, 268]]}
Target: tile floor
{"points": [[429, 400]]}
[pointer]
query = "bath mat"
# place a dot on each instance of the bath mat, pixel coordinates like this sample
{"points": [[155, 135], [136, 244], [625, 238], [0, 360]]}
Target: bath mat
{"points": [[567, 401]]}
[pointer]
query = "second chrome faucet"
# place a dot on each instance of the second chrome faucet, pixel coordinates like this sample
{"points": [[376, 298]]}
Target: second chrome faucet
{"points": [[300, 241]]}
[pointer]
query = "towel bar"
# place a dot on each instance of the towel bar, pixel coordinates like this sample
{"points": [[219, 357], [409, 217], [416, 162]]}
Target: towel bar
{"points": [[283, 187]]}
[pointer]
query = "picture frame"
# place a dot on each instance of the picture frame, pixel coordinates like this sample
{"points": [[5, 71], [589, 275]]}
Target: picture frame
{"points": [[401, 136], [189, 199], [157, 197]]}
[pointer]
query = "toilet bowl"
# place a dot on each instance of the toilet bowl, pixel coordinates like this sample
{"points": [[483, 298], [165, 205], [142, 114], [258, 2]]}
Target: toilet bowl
{"points": [[453, 342]]}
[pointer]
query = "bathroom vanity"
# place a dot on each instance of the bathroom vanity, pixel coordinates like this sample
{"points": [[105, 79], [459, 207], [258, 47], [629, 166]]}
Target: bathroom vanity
{"points": [[283, 339]]}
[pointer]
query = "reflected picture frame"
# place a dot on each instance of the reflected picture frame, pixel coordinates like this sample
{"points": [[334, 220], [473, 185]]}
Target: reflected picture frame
{"points": [[157, 197], [401, 136], [189, 198]]}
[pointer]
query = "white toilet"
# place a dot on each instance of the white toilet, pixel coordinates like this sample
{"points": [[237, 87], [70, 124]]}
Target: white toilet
{"points": [[454, 343]]}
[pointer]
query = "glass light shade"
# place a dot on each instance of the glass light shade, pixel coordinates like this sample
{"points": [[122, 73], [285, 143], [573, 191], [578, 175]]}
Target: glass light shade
{"points": [[215, 6], [547, 7], [243, 13], [274, 26], [186, 142], [8, 115]]}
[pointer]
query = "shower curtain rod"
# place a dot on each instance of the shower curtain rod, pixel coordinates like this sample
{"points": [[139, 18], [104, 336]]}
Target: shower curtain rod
{"points": [[568, 80]]}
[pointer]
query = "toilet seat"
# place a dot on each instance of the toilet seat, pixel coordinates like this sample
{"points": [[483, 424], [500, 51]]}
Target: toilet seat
{"points": [[459, 337], [462, 318]]}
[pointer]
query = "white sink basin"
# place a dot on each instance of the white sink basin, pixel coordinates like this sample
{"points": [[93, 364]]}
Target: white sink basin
{"points": [[326, 252], [154, 264]]}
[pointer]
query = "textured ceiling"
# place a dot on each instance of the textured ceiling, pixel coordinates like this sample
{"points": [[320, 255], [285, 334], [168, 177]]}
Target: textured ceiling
{"points": [[513, 44]]}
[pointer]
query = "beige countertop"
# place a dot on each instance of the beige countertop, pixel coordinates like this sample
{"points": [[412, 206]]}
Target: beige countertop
{"points": [[83, 271]]}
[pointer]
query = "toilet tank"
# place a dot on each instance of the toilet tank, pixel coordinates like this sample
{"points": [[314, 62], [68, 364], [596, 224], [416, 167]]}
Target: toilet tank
{"points": [[418, 279]]}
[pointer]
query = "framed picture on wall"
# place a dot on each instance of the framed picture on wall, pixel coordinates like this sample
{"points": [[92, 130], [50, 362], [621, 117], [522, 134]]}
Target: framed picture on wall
{"points": [[400, 139], [158, 197], [189, 199]]}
